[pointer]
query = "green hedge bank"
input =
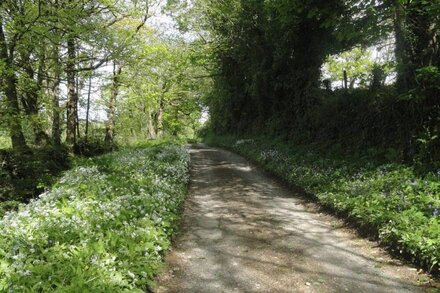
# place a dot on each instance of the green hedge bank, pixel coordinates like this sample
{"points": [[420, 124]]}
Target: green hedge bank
{"points": [[393, 201]]}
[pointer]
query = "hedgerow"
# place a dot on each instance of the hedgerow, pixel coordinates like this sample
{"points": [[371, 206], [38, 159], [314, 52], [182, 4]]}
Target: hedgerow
{"points": [[393, 201], [102, 228]]}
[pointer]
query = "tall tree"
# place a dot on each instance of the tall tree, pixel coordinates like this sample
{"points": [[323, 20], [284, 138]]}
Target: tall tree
{"points": [[9, 86], [111, 112], [417, 35]]}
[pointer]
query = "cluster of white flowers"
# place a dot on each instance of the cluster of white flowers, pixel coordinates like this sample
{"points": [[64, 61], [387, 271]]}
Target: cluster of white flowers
{"points": [[244, 141], [104, 225], [272, 155]]}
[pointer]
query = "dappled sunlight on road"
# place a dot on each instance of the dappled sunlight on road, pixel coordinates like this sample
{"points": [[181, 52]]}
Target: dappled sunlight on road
{"points": [[245, 232]]}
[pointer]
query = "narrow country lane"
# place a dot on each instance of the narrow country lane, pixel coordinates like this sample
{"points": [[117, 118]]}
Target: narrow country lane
{"points": [[244, 232]]}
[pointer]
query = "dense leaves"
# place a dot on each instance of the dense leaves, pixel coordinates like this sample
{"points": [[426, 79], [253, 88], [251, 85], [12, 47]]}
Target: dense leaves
{"points": [[270, 54], [103, 227]]}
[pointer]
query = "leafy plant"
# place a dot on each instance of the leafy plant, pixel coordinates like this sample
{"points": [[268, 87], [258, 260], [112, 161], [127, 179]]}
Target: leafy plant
{"points": [[102, 228]]}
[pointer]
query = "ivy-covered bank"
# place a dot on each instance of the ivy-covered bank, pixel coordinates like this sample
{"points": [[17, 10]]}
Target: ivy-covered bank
{"points": [[391, 200], [102, 228]]}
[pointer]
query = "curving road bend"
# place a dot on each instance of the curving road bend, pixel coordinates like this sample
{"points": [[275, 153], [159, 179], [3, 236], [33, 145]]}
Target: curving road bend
{"points": [[244, 232]]}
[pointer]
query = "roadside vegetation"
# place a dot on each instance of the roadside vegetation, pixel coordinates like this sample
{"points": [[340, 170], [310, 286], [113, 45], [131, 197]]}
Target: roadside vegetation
{"points": [[103, 227], [390, 201]]}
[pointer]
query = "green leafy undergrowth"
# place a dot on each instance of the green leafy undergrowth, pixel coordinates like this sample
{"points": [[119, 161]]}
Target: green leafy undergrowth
{"points": [[102, 228], [24, 176], [392, 201]]}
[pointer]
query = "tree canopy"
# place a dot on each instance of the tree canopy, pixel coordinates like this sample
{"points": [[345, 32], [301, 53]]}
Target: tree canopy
{"points": [[268, 58], [50, 50]]}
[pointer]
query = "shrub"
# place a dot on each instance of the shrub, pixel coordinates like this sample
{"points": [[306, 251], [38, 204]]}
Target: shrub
{"points": [[25, 175], [93, 146]]}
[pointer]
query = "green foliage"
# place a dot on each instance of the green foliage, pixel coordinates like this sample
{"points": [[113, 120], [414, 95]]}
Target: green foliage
{"points": [[358, 64], [269, 55], [392, 201], [360, 119], [5, 142], [7, 206], [428, 80], [417, 34], [163, 92], [363, 71], [102, 228], [93, 146], [25, 175]]}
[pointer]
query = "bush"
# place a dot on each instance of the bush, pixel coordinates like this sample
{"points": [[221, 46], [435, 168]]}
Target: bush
{"points": [[102, 228], [93, 146], [360, 119], [25, 175]]}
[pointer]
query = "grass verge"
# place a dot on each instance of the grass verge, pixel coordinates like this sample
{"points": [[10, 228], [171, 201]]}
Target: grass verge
{"points": [[102, 228], [392, 201]]}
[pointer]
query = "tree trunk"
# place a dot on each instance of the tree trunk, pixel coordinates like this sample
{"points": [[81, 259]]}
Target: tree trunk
{"points": [[159, 118], [88, 108], [399, 50], [111, 122], [15, 129], [345, 79], [150, 125], [9, 87], [79, 88], [72, 97], [41, 137], [55, 94], [31, 97], [352, 82], [422, 24], [56, 112], [417, 43], [405, 77], [161, 109]]}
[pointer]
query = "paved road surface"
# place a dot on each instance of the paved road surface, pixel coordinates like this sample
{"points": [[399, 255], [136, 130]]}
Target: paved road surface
{"points": [[244, 232]]}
